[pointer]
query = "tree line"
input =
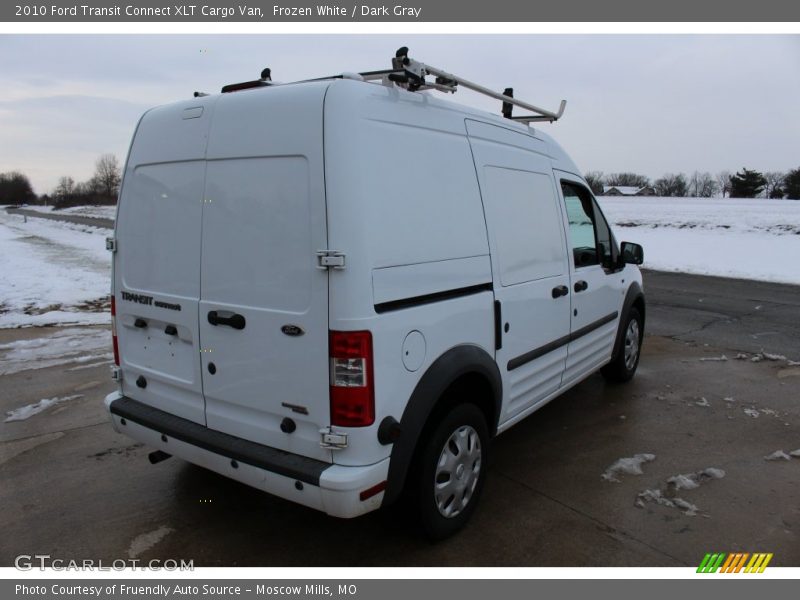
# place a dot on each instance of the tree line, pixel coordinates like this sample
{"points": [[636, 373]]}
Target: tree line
{"points": [[101, 188], [743, 184]]}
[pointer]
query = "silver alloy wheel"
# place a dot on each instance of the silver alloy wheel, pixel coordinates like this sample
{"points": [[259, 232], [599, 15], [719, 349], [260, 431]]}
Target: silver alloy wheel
{"points": [[631, 344], [457, 471]]}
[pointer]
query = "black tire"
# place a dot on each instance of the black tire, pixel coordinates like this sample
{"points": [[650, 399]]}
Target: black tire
{"points": [[622, 368], [464, 435]]}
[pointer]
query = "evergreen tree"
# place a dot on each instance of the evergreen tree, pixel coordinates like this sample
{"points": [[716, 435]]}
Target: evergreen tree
{"points": [[791, 184], [747, 184]]}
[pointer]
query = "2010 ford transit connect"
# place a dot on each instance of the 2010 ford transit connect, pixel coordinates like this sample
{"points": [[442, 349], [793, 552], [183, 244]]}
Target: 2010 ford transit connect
{"points": [[339, 290]]}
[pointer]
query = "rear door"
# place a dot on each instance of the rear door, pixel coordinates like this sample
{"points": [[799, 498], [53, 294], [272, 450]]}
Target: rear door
{"points": [[157, 262], [529, 263], [264, 302]]}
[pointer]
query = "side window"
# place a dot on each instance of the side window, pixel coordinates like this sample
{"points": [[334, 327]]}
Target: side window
{"points": [[592, 241], [605, 241]]}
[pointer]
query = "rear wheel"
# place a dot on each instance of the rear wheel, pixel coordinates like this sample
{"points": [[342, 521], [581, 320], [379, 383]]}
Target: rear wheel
{"points": [[623, 366], [452, 470]]}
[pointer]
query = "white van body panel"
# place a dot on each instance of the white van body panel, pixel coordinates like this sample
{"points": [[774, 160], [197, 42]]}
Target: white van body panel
{"points": [[158, 258], [394, 195], [263, 222], [526, 233]]}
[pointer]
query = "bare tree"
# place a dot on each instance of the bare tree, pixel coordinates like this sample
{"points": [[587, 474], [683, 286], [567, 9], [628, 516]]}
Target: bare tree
{"points": [[724, 182], [65, 188], [107, 175], [671, 185], [702, 185], [627, 179], [774, 187], [15, 188], [595, 181]]}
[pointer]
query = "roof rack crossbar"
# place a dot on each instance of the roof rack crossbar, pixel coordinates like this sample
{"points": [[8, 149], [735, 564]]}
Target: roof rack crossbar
{"points": [[542, 114]]}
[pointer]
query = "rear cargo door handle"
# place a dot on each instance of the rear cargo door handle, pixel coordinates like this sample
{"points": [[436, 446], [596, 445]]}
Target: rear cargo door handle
{"points": [[560, 290], [581, 285], [236, 321]]}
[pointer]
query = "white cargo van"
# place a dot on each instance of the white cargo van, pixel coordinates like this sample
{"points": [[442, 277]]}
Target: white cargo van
{"points": [[340, 290]]}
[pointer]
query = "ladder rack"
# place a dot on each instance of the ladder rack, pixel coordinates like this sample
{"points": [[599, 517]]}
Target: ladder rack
{"points": [[410, 74]]}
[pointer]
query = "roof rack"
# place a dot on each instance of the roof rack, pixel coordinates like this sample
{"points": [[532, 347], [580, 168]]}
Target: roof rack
{"points": [[410, 75]]}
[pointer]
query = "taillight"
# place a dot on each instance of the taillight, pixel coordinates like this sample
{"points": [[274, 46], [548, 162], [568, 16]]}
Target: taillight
{"points": [[352, 384], [114, 330]]}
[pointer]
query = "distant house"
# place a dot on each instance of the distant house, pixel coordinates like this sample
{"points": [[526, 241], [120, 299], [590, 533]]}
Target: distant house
{"points": [[628, 190]]}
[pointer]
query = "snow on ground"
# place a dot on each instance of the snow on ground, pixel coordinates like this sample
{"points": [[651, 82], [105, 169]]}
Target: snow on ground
{"points": [[667, 496], [25, 412], [731, 237], [722, 358], [52, 273], [65, 346], [142, 543], [781, 455], [628, 466], [97, 212], [778, 455]]}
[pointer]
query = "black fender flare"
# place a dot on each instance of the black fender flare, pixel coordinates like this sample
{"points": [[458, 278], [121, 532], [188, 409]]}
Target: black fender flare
{"points": [[633, 294], [453, 364]]}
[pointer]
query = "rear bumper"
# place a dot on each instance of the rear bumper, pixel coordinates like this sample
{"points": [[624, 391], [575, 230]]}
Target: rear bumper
{"points": [[333, 489]]}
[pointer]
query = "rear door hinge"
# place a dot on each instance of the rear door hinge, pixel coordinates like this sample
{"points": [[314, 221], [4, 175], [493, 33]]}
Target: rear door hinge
{"points": [[111, 244], [327, 259], [332, 440]]}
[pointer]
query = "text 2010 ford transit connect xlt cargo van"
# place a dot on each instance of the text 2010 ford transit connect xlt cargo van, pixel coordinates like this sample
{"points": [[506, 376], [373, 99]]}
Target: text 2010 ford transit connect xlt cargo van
{"points": [[338, 290]]}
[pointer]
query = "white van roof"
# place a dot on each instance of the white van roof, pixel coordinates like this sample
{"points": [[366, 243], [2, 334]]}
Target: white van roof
{"points": [[450, 113]]}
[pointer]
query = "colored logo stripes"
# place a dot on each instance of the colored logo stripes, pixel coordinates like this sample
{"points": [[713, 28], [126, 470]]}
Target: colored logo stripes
{"points": [[735, 562]]}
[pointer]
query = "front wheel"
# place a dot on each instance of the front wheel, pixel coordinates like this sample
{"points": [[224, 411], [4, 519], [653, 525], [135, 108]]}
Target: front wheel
{"points": [[452, 471], [623, 366]]}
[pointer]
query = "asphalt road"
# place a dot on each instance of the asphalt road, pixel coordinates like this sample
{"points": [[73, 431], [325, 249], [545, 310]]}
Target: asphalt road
{"points": [[91, 221], [73, 488]]}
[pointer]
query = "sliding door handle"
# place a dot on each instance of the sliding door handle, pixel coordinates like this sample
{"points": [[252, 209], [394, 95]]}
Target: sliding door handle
{"points": [[560, 290]]}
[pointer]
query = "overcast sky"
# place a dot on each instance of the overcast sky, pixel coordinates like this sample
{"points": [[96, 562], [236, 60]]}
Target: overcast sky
{"points": [[650, 104]]}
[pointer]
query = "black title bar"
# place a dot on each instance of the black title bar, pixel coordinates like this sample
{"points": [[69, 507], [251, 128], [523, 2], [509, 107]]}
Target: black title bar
{"points": [[411, 11]]}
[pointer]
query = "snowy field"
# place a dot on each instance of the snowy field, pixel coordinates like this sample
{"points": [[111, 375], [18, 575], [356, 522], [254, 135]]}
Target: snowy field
{"points": [[97, 212], [52, 273], [741, 238], [58, 273]]}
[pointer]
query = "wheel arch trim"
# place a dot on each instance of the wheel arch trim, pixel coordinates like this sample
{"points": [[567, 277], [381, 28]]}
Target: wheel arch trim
{"points": [[632, 296], [457, 362]]}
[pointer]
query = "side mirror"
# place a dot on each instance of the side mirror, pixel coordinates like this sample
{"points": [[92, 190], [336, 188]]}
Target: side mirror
{"points": [[632, 254]]}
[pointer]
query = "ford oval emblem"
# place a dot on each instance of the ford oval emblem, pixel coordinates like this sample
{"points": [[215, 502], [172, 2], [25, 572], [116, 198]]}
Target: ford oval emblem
{"points": [[293, 330]]}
